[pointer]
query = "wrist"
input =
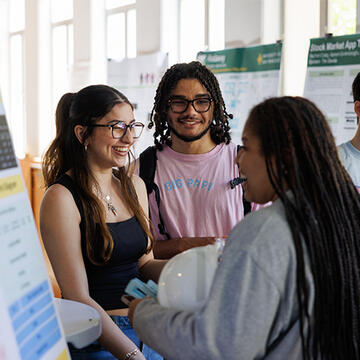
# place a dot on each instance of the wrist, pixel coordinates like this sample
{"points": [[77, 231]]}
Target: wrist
{"points": [[131, 355], [179, 246]]}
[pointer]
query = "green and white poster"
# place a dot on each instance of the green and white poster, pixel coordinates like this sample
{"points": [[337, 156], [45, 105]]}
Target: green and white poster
{"points": [[246, 77], [333, 64]]}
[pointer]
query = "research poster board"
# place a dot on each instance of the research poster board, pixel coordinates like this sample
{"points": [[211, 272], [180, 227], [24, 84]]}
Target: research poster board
{"points": [[29, 324], [246, 77], [138, 79], [333, 63]]}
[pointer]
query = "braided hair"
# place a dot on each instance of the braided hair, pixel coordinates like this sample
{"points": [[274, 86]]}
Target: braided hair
{"points": [[219, 129], [323, 215]]}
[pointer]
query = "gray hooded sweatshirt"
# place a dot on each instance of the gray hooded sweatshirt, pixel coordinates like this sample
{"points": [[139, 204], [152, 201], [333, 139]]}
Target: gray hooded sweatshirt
{"points": [[252, 308]]}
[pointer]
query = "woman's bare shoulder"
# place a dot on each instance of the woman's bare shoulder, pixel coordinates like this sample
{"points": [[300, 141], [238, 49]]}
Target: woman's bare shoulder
{"points": [[137, 181], [58, 198]]}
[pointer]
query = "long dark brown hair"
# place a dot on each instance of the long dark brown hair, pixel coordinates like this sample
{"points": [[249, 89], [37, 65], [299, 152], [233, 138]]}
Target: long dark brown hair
{"points": [[66, 153], [324, 217], [219, 128]]}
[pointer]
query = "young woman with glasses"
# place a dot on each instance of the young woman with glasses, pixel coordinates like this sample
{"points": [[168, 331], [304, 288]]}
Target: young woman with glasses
{"points": [[94, 215]]}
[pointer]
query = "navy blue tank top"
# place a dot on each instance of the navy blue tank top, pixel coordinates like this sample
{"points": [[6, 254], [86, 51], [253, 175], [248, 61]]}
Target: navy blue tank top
{"points": [[107, 282]]}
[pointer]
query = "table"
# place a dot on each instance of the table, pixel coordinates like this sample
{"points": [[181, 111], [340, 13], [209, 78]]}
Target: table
{"points": [[81, 322]]}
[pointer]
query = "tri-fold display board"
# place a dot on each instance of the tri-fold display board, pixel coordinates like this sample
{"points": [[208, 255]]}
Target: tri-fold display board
{"points": [[246, 76], [333, 63]]}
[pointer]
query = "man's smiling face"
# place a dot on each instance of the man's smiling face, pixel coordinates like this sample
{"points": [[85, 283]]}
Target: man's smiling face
{"points": [[190, 124]]}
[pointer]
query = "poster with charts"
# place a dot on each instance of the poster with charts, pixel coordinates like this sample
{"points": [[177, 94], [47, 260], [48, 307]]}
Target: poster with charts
{"points": [[332, 66], [138, 79], [29, 328], [246, 77]]}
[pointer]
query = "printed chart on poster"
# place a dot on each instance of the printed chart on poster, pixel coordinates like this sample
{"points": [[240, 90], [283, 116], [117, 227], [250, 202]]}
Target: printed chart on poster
{"points": [[246, 77], [29, 326], [333, 63], [138, 79]]}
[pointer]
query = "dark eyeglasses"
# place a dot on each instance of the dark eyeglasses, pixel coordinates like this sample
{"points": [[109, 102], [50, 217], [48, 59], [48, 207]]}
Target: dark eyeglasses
{"points": [[119, 129], [200, 105]]}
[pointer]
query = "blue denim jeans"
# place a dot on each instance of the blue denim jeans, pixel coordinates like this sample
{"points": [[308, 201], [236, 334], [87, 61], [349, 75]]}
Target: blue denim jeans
{"points": [[96, 352]]}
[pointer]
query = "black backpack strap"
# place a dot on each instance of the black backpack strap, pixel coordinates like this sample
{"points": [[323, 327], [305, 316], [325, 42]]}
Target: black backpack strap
{"points": [[161, 225], [147, 167], [147, 173], [246, 204]]}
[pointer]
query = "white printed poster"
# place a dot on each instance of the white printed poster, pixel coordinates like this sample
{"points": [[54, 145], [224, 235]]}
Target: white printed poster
{"points": [[138, 79], [29, 328], [333, 64], [246, 77]]}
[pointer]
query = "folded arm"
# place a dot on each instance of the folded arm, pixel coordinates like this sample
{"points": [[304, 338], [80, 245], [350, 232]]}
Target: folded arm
{"points": [[166, 249]]}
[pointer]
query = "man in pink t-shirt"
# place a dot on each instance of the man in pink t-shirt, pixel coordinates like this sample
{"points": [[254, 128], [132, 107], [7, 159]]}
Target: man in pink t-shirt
{"points": [[195, 162]]}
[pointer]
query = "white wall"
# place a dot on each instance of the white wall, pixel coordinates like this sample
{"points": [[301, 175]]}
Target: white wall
{"points": [[89, 45], [271, 21], [31, 76], [242, 22], [148, 25], [302, 22]]}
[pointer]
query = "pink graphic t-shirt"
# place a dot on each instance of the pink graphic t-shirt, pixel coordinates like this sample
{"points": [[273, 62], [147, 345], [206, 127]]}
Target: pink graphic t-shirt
{"points": [[196, 197]]}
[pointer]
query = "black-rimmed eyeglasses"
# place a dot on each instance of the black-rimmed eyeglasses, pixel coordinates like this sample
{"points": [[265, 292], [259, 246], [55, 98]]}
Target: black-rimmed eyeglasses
{"points": [[119, 129], [200, 105]]}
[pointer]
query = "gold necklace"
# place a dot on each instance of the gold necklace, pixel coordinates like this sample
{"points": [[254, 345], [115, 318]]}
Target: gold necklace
{"points": [[110, 205]]}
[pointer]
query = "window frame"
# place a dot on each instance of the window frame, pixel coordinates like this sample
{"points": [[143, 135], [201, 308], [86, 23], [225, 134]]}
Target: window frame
{"points": [[325, 20], [118, 10], [177, 49], [53, 25], [20, 152]]}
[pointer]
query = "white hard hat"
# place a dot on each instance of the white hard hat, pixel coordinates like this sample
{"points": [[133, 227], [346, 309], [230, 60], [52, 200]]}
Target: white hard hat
{"points": [[185, 280]]}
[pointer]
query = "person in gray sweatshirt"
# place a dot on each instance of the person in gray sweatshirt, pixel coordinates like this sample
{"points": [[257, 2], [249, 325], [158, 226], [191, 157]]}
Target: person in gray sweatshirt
{"points": [[288, 285]]}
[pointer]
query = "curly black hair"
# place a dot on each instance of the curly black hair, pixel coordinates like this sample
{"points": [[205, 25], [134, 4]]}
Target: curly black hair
{"points": [[219, 128]]}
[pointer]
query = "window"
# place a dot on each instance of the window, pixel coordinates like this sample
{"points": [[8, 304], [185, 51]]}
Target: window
{"points": [[342, 17], [120, 29], [62, 59], [112, 4], [16, 114], [190, 26]]}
